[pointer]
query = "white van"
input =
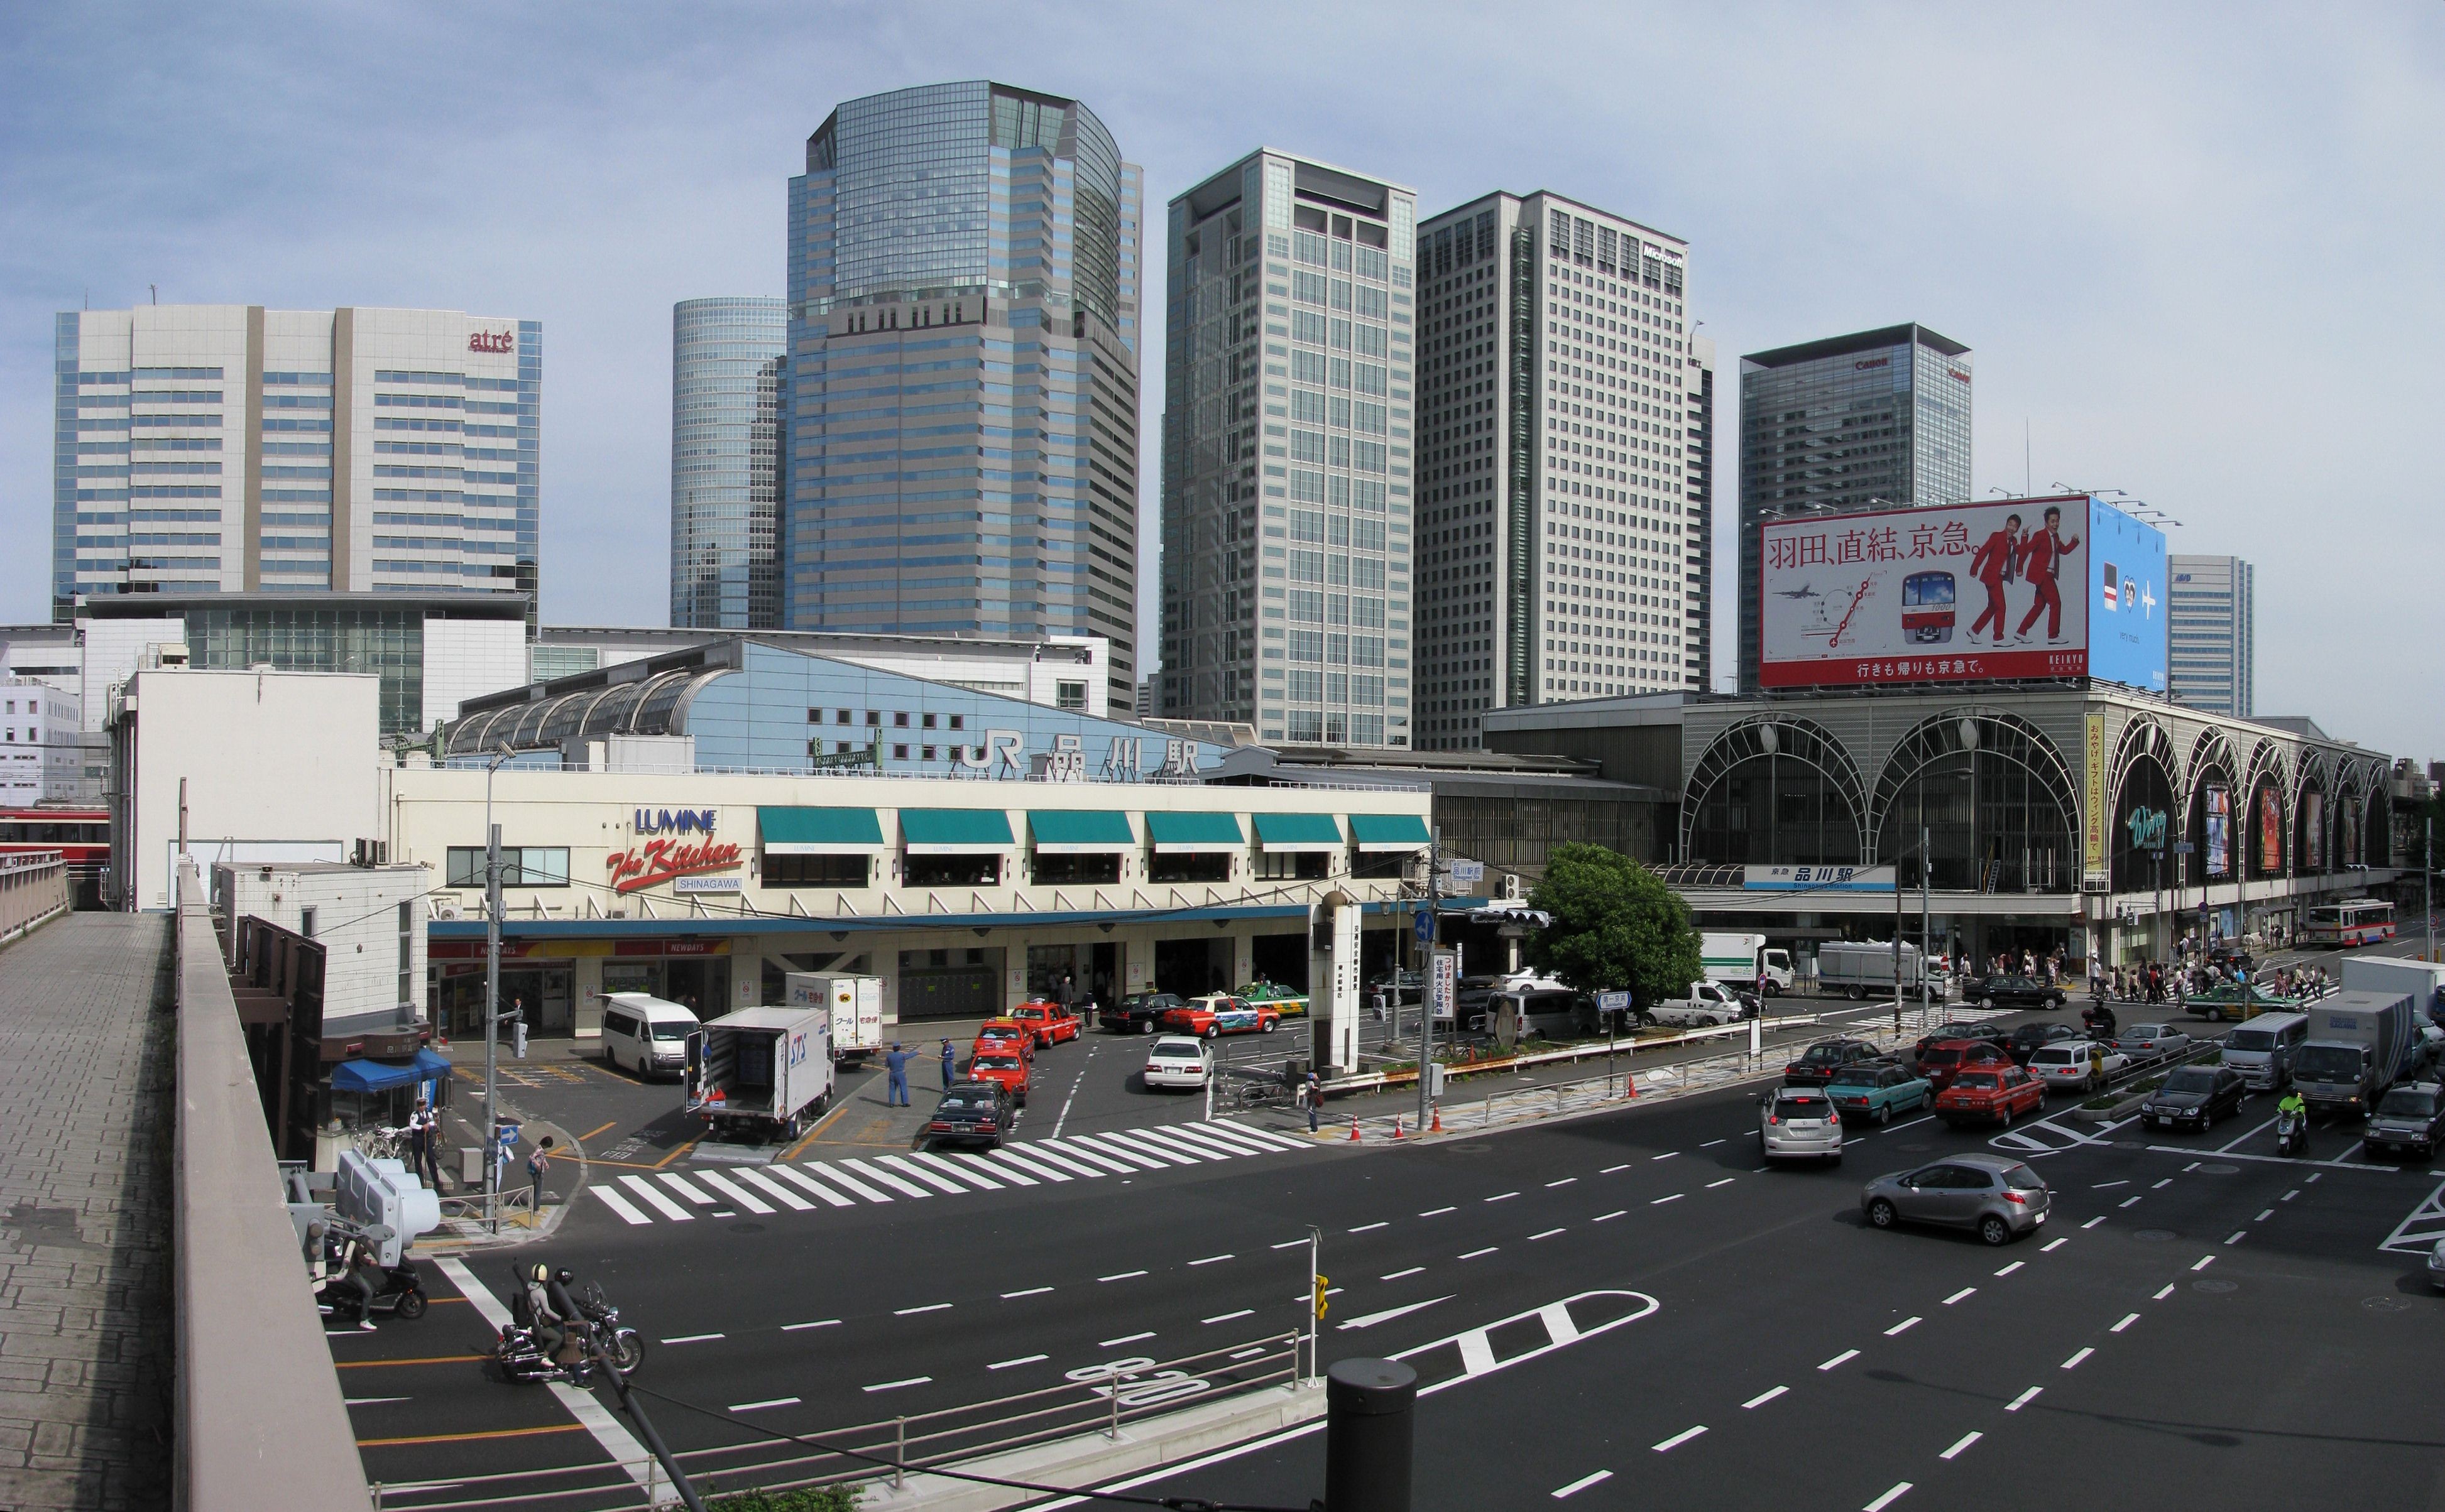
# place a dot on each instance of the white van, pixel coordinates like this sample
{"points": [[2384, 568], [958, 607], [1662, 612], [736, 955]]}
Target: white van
{"points": [[646, 1034], [2261, 1048]]}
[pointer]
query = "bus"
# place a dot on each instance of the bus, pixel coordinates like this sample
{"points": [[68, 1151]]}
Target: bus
{"points": [[82, 835], [1927, 608], [2354, 921]]}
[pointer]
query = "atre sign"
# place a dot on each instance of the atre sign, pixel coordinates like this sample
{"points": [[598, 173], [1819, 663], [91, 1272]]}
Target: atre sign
{"points": [[668, 854], [492, 341]]}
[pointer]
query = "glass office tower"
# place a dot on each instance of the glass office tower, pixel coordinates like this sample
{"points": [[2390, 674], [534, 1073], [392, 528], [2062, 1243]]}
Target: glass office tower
{"points": [[961, 406], [1286, 453], [725, 462], [2212, 605], [1867, 422]]}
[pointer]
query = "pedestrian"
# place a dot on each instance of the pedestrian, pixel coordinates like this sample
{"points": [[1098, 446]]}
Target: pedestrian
{"points": [[423, 1134], [895, 1086], [537, 1164], [950, 1066], [1313, 1094], [1069, 991]]}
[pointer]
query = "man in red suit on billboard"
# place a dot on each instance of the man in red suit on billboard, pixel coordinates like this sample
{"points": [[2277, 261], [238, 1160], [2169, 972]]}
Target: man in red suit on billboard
{"points": [[1992, 565], [2041, 554]]}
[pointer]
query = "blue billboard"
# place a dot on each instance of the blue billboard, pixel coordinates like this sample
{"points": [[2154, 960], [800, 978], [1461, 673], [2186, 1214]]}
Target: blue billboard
{"points": [[2126, 600]]}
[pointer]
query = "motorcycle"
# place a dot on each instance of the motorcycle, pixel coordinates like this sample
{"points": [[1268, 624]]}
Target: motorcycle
{"points": [[595, 1333], [400, 1294], [2291, 1133], [2098, 1021]]}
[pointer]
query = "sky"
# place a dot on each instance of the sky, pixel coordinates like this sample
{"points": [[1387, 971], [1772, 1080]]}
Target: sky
{"points": [[2194, 248]]}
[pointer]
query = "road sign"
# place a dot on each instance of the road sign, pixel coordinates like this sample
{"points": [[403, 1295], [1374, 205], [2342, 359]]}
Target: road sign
{"points": [[1612, 1003], [1465, 873], [1426, 926], [1443, 985]]}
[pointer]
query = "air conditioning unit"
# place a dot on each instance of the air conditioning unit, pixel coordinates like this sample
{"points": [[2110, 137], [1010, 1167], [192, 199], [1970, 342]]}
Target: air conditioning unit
{"points": [[446, 908], [1511, 891], [370, 853]]}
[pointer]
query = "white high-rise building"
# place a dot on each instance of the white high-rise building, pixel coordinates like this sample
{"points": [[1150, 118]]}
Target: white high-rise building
{"points": [[231, 448], [2212, 610], [1562, 506], [1286, 465], [41, 756]]}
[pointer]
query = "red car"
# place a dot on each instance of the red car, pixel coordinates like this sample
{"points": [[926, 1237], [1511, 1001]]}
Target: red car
{"points": [[1947, 1059], [1052, 1022], [1004, 1065], [1991, 1092], [1220, 1013], [1005, 1035]]}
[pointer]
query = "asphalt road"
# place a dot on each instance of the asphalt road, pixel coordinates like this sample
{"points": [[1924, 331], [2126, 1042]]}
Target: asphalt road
{"points": [[2203, 1324]]}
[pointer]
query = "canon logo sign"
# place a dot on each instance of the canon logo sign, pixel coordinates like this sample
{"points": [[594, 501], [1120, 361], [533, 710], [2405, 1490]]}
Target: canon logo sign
{"points": [[492, 341]]}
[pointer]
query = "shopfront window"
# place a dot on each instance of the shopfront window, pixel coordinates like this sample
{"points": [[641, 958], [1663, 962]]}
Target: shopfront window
{"points": [[1076, 870], [1173, 868], [817, 871], [1287, 866], [953, 870]]}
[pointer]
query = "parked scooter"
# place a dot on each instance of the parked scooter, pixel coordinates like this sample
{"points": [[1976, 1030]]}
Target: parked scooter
{"points": [[2291, 1133], [400, 1294]]}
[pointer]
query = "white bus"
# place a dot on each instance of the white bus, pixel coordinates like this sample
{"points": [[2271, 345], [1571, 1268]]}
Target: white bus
{"points": [[2354, 921]]}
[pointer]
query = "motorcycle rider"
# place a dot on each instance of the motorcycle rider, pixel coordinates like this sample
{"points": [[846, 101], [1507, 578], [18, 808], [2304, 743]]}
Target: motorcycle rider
{"points": [[2293, 1105], [364, 1277], [547, 1306]]}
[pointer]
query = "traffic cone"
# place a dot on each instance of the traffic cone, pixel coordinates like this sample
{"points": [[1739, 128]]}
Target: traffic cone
{"points": [[1354, 1128], [1438, 1110], [1629, 1087], [1396, 1126]]}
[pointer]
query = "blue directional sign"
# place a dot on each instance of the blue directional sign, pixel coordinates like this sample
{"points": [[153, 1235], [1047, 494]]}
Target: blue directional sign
{"points": [[1426, 918]]}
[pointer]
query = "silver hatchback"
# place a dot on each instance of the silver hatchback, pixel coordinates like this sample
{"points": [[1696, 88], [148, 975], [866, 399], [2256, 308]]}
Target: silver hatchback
{"points": [[1994, 1195], [1798, 1123]]}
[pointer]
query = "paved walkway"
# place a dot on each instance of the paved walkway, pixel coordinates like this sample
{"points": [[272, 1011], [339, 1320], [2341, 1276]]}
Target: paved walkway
{"points": [[86, 1081]]}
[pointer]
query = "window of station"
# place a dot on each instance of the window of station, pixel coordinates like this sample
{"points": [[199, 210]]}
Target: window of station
{"points": [[1081, 871], [818, 871], [1212, 867]]}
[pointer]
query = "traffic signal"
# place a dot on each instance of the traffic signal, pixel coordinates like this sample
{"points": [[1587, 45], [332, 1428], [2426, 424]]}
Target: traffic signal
{"points": [[1321, 1282], [517, 1039]]}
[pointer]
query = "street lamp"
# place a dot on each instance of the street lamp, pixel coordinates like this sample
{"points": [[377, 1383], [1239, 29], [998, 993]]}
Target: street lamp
{"points": [[492, 993]]}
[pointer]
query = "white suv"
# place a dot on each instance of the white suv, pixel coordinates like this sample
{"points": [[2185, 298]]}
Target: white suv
{"points": [[1177, 1061], [2077, 1063]]}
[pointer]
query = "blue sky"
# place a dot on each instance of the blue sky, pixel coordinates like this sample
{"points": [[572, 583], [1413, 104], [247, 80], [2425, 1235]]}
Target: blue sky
{"points": [[2194, 248]]}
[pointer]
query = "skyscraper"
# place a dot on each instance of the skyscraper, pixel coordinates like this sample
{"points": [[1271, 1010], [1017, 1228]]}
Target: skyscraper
{"points": [[726, 462], [2212, 605], [960, 409], [227, 448], [1869, 420], [1286, 517], [1700, 660], [1560, 517]]}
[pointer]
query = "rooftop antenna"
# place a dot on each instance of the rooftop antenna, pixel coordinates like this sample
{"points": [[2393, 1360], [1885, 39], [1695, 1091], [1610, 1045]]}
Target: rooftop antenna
{"points": [[156, 289], [2027, 473]]}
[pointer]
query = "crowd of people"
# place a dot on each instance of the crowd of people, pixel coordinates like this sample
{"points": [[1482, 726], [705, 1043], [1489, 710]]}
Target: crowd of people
{"points": [[2178, 980]]}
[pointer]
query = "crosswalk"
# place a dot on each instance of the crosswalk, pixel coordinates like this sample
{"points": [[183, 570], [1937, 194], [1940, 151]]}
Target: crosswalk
{"points": [[676, 1196]]}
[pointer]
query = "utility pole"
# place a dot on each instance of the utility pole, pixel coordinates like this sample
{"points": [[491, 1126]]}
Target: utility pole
{"points": [[1898, 935], [2428, 881], [1925, 960], [1426, 976], [492, 996]]}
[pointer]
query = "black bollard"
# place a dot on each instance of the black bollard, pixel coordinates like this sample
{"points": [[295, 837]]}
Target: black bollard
{"points": [[1371, 1411]]}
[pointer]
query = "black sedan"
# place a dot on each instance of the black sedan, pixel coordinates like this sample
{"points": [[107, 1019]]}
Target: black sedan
{"points": [[2029, 1039], [2010, 991], [2411, 1121], [1816, 1067], [972, 1113], [1138, 1013], [2193, 1097]]}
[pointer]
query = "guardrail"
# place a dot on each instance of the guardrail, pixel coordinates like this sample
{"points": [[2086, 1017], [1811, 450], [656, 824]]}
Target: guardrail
{"points": [[257, 1406], [33, 888], [1097, 1399]]}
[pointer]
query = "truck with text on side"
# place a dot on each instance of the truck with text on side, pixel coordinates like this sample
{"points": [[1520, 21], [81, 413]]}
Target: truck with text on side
{"points": [[2359, 1044], [1708, 1003], [2423, 979], [1858, 971], [1744, 961], [761, 1072], [855, 1003]]}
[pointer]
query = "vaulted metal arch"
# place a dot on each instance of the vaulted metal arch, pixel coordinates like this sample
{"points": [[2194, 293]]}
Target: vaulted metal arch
{"points": [[1756, 748]]}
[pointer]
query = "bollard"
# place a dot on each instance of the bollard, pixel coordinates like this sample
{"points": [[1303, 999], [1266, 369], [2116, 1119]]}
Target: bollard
{"points": [[1371, 1411], [1396, 1126]]}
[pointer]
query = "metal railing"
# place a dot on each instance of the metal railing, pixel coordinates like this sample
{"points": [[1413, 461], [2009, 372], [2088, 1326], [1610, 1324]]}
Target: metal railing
{"points": [[1095, 1400], [257, 1403]]}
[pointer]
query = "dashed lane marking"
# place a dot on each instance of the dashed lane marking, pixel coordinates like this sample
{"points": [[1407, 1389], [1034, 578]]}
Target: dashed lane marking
{"points": [[1013, 1364], [1032, 1291], [1609, 1217], [1845, 1356], [1965, 1291], [2163, 1292], [2023, 1399], [1764, 1398], [893, 1385], [821, 1322], [1212, 1259], [1125, 1338], [2128, 1319], [1962, 1443], [2052, 1246], [1904, 1326], [2013, 1266], [1680, 1438], [1889, 1498], [929, 1307], [1225, 1317], [1582, 1484], [757, 1407], [1487, 1250], [1725, 1182], [1414, 1270], [695, 1339]]}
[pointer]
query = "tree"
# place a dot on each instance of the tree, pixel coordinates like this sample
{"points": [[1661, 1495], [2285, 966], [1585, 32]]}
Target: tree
{"points": [[1614, 926]]}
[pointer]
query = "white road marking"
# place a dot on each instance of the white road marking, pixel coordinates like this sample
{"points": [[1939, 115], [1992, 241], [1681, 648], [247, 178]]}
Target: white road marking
{"points": [[1725, 1182], [1680, 1438], [821, 1322], [1213, 1260], [1964, 1442], [1610, 1169], [2193, 1165], [1838, 1360], [1243, 1353], [934, 1162], [1013, 1364], [2205, 1261], [2102, 1185], [1713, 1143], [910, 1168], [2165, 1292], [680, 1183], [1414, 1270], [1547, 1234], [626, 1209], [1904, 1326], [1764, 1398], [1225, 1317], [608, 1431], [774, 1189], [695, 1339], [1290, 1243], [1661, 1200], [929, 1307], [2160, 1186], [2078, 1357], [1389, 1312], [1078, 1154], [1618, 1212], [2013, 1266], [757, 1407], [2289, 1195], [2127, 1201], [1125, 1338], [1965, 1291], [653, 1196], [1583, 1482], [1364, 1229], [737, 1194], [1121, 1149], [1564, 1182], [2313, 1176], [893, 1385], [831, 1171], [1127, 1275], [2263, 1217], [2023, 1399], [1487, 1250], [1667, 1155], [2053, 1244], [2236, 1236], [2094, 1221], [1437, 1212], [1008, 1156], [1045, 1152], [1032, 1291], [2128, 1319], [1502, 1196], [1889, 1498]]}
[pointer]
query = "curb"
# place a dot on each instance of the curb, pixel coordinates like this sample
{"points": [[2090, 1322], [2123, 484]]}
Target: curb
{"points": [[1093, 1459]]}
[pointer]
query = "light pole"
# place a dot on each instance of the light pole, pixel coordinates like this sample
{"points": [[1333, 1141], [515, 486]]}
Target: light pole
{"points": [[492, 993], [1426, 973]]}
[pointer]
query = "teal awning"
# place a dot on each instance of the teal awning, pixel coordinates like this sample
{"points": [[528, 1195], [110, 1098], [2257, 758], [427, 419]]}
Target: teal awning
{"points": [[1080, 831], [1389, 832], [818, 831], [955, 831], [1297, 832], [1194, 834]]}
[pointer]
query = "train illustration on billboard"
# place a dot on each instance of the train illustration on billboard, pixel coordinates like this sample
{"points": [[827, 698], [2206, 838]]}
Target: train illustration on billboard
{"points": [[2052, 588]]}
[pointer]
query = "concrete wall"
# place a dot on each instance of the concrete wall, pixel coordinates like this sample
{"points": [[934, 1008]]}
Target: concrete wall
{"points": [[356, 918], [468, 659]]}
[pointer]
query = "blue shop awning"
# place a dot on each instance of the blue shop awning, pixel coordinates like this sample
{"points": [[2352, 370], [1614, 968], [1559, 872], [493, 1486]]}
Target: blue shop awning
{"points": [[1193, 833], [362, 1075]]}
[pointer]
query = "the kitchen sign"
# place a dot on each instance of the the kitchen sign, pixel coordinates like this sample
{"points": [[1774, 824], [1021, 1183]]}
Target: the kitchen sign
{"points": [[674, 844]]}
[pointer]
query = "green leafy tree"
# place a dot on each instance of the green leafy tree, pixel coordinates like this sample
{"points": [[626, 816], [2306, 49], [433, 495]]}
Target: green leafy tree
{"points": [[1614, 926]]}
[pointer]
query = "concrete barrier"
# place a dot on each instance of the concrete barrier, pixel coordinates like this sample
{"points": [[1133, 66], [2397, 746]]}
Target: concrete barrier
{"points": [[259, 1418], [34, 890]]}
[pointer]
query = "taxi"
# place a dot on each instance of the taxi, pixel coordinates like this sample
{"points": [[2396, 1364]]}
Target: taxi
{"points": [[1221, 1013], [1007, 1035], [1287, 1001], [1052, 1022], [1005, 1067]]}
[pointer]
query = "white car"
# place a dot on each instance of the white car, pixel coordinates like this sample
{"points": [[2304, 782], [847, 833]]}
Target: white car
{"points": [[1177, 1061], [2077, 1064]]}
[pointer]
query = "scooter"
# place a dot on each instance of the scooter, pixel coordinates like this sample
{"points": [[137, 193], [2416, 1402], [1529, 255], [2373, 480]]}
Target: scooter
{"points": [[400, 1294], [2291, 1133]]}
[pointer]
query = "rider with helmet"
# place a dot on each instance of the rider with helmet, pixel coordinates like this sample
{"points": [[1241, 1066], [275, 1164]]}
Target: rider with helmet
{"points": [[549, 1308]]}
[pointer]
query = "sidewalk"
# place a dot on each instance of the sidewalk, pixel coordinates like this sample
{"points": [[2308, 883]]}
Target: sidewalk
{"points": [[87, 1089]]}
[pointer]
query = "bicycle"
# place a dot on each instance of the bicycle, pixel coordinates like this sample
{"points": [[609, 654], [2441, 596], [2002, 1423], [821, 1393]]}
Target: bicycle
{"points": [[1265, 1095], [383, 1144]]}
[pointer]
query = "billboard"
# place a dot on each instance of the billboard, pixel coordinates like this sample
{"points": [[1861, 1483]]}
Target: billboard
{"points": [[2216, 803], [2012, 588]]}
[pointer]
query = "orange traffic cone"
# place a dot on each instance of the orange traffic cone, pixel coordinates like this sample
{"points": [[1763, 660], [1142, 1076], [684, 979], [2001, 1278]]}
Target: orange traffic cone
{"points": [[1354, 1128], [1629, 1088], [1396, 1126], [1438, 1110]]}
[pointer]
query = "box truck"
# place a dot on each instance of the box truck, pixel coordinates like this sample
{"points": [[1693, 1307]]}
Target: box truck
{"points": [[1858, 969], [2357, 1043], [855, 1003], [761, 1072], [1744, 961], [2423, 979]]}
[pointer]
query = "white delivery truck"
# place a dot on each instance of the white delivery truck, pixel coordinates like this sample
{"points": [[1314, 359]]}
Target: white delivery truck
{"points": [[1744, 961], [855, 1003], [2423, 979], [1859, 970], [2357, 1043], [761, 1072], [1708, 1004]]}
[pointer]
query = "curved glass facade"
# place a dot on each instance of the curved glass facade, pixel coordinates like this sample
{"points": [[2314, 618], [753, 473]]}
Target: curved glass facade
{"points": [[726, 357]]}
